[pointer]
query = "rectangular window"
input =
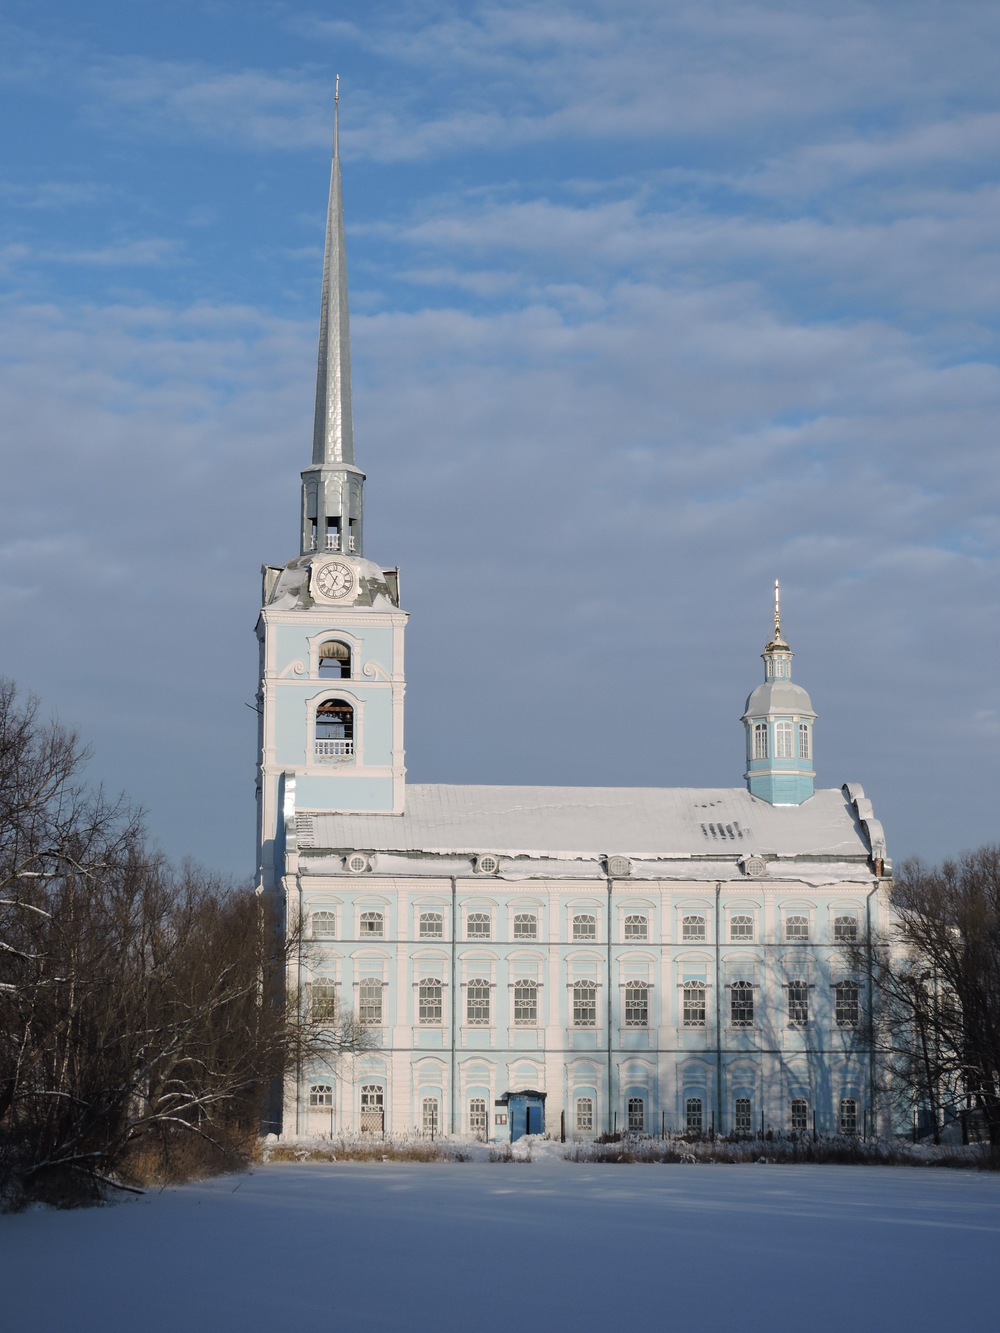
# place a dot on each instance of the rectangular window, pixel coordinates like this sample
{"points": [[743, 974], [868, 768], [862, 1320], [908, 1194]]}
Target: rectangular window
{"points": [[742, 1116], [636, 1113], [694, 1004], [321, 1094], [429, 1116], [637, 1004], [636, 928], [323, 998], [585, 926], [760, 740], [372, 1108], [584, 1115], [693, 1118], [525, 1004], [848, 1115], [741, 1004], [783, 740], [370, 1002], [803, 740], [693, 928], [584, 1004], [798, 1004], [525, 926], [478, 926], [429, 1008], [477, 1003], [798, 1121], [431, 925], [847, 1007], [371, 925]]}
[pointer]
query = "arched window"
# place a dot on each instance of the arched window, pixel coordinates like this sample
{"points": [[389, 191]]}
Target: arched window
{"points": [[760, 740], [477, 1003], [477, 1117], [693, 928], [693, 1117], [742, 1116], [324, 925], [694, 1004], [321, 1094], [334, 743], [584, 1115], [584, 1004], [848, 1115], [323, 998], [798, 1121], [845, 929], [637, 1004], [429, 1008], [525, 926], [847, 1007], [370, 1002], [371, 924], [431, 925], [525, 1003], [798, 1004], [478, 926], [741, 927], [636, 928], [584, 926], [783, 734], [372, 1108], [335, 660], [741, 1004], [796, 929], [429, 1116], [635, 1115], [804, 747]]}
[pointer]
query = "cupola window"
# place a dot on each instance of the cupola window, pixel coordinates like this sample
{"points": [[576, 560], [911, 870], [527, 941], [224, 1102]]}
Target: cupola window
{"points": [[335, 660], [334, 742], [783, 740], [760, 740], [333, 534], [805, 750]]}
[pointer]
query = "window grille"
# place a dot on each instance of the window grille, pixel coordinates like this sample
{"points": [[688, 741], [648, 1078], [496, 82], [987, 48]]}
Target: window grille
{"points": [[372, 1108], [783, 734], [584, 1115], [637, 1004], [371, 924], [429, 1008], [429, 1116], [431, 925], [741, 1004], [742, 1115], [796, 929], [636, 928], [848, 1115], [845, 929], [370, 1002], [585, 926], [525, 1004], [847, 1007], [804, 746], [321, 1094], [324, 925], [334, 740], [584, 1004], [487, 865], [693, 928], [477, 1003], [478, 926], [636, 1115], [798, 1004], [323, 998], [694, 1004], [760, 740], [693, 1118], [798, 1121], [741, 928], [477, 1117], [525, 926]]}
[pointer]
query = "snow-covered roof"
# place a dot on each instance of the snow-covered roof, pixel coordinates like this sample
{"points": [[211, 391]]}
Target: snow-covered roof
{"points": [[645, 823]]}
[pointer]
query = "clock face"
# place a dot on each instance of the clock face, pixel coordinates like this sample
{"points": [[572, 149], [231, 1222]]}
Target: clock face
{"points": [[334, 580]]}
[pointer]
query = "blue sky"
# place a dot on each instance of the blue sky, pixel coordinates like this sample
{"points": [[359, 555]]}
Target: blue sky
{"points": [[651, 304]]}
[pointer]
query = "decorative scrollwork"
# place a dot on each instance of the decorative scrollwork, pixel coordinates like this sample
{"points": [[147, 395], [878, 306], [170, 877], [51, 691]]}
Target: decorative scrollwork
{"points": [[374, 671], [296, 668]]}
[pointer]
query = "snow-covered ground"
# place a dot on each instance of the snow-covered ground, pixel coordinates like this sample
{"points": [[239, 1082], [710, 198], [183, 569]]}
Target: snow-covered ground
{"points": [[549, 1244]]}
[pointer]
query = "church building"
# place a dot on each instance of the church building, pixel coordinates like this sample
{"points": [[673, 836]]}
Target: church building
{"points": [[543, 959]]}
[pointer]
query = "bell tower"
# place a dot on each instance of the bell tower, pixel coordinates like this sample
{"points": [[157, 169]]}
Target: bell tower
{"points": [[330, 632]]}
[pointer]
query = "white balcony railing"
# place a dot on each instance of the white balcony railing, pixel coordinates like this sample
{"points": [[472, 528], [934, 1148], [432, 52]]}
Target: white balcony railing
{"points": [[333, 541], [334, 752]]}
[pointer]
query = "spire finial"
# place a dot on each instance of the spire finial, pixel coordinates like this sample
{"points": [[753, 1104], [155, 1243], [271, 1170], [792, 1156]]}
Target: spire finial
{"points": [[777, 609], [333, 429]]}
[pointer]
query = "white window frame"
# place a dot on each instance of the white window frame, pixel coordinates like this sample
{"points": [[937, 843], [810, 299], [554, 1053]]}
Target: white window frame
{"points": [[760, 747], [371, 1004], [478, 1117], [427, 1004], [691, 1005], [584, 926], [367, 921], [483, 921], [583, 1001], [428, 919], [323, 924], [525, 1005], [798, 1003], [635, 1115], [694, 1115], [805, 742], [847, 1011], [842, 935], [784, 740], [694, 926], [320, 1096], [430, 1116], [583, 1115], [746, 925], [794, 921], [323, 999], [636, 926], [742, 1115], [525, 925], [478, 998], [798, 1115], [637, 1004], [849, 1116], [742, 1009]]}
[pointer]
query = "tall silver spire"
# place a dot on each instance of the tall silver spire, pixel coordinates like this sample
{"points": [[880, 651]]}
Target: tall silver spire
{"points": [[332, 487], [333, 428]]}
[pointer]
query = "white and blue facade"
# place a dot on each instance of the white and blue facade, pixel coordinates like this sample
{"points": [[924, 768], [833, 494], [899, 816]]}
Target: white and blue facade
{"points": [[588, 959]]}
